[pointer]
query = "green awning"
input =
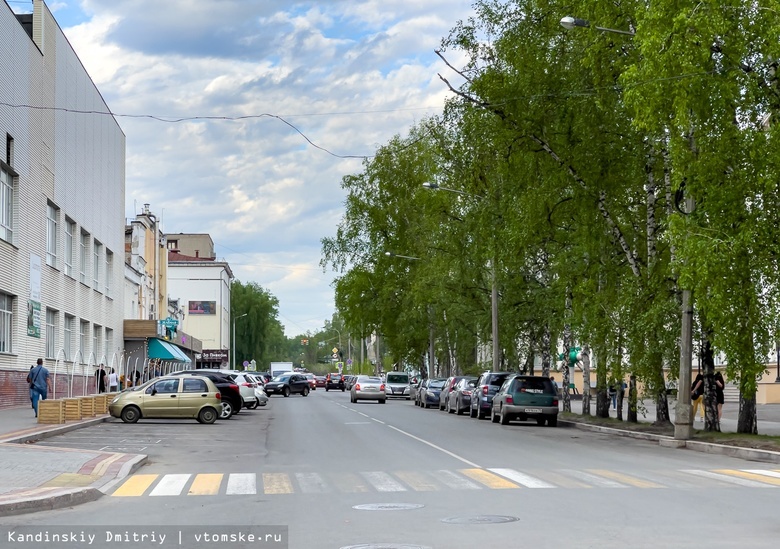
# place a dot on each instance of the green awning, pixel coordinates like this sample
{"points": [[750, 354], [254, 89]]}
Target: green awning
{"points": [[165, 351]]}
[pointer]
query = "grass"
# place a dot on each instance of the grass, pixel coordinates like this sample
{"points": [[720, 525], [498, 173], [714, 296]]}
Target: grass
{"points": [[762, 442]]}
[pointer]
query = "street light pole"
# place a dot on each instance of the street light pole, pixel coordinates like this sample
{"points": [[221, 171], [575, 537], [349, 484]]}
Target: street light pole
{"points": [[574, 22], [233, 351]]}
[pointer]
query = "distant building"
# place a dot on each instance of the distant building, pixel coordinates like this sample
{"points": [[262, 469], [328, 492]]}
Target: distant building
{"points": [[62, 194]]}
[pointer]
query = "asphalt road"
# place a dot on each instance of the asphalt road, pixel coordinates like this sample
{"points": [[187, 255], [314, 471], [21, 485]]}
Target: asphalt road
{"points": [[424, 479]]}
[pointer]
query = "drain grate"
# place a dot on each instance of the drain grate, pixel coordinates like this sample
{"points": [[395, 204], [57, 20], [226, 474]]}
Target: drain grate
{"points": [[480, 519]]}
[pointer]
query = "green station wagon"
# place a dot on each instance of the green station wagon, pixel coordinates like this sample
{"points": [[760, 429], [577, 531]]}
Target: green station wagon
{"points": [[526, 397]]}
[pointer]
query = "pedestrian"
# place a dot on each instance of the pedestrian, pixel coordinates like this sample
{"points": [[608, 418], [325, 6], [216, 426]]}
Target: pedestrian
{"points": [[137, 378], [39, 384], [697, 395], [555, 384], [101, 380], [29, 385], [612, 392], [113, 381], [719, 396]]}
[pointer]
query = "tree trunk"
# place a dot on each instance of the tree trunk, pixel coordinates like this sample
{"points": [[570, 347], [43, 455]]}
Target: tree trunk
{"points": [[602, 400], [585, 380], [711, 421], [632, 400], [748, 420]]}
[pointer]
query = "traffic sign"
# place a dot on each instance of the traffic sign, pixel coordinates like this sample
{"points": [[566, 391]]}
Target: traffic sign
{"points": [[335, 350]]}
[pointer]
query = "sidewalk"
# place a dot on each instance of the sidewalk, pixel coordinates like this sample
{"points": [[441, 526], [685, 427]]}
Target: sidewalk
{"points": [[768, 415], [36, 478]]}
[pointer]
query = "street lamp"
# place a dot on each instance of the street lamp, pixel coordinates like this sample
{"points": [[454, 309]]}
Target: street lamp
{"points": [[493, 283], [234, 338], [574, 22], [412, 258]]}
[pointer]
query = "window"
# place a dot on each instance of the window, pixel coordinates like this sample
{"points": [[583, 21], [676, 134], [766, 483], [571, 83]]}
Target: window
{"points": [[51, 333], [109, 341], [70, 324], [52, 213], [6, 322], [173, 244], [6, 204], [96, 330], [70, 229], [194, 385], [84, 340], [109, 270], [84, 245], [96, 251]]}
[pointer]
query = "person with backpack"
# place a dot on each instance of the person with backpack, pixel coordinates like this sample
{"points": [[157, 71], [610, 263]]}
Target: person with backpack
{"points": [[697, 395], [39, 384]]}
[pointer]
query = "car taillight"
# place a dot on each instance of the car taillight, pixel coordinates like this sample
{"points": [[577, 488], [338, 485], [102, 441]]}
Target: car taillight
{"points": [[382, 387], [509, 399], [357, 386], [484, 390], [252, 385], [555, 402], [234, 386], [219, 396]]}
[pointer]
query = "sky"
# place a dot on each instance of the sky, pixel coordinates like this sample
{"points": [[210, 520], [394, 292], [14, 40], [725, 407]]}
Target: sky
{"points": [[298, 92]]}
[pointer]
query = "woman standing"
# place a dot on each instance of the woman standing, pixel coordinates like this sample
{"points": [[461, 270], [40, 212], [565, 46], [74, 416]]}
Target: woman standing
{"points": [[720, 398], [113, 381]]}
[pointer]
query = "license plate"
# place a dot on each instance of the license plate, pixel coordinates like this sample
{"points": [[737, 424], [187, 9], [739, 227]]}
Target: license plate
{"points": [[533, 410]]}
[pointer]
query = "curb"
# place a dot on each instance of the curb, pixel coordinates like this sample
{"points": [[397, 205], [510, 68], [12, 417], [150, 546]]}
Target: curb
{"points": [[39, 433], [751, 454], [48, 502]]}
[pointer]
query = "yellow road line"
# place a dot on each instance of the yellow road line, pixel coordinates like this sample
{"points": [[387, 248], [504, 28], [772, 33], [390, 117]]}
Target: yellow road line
{"points": [[277, 483], [418, 481], [206, 485], [559, 480], [135, 485], [488, 479], [750, 476], [349, 482], [626, 479]]}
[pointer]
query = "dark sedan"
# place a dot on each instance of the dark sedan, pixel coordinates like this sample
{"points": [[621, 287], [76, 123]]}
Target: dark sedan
{"points": [[430, 392], [287, 384], [459, 398]]}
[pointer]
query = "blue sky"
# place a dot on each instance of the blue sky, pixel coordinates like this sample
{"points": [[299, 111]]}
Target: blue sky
{"points": [[348, 74]]}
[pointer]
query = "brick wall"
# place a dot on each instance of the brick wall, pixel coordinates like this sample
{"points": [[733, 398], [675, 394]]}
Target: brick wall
{"points": [[14, 390]]}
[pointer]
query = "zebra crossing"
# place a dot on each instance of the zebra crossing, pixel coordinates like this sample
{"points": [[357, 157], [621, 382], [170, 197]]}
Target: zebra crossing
{"points": [[281, 483]]}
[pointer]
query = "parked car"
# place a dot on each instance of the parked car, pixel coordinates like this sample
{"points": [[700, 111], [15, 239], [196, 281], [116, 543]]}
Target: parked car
{"points": [[232, 402], [397, 385], [312, 381], [414, 388], [260, 395], [429, 393], [169, 397], [419, 391], [487, 385], [445, 392], [335, 381], [246, 387], [526, 397], [459, 398], [320, 381], [367, 388], [349, 381], [287, 384]]}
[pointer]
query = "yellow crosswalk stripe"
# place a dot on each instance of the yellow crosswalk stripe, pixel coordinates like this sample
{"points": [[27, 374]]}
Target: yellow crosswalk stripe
{"points": [[625, 479], [488, 479], [135, 485], [418, 481], [277, 483], [560, 480], [349, 483], [206, 485], [750, 476]]}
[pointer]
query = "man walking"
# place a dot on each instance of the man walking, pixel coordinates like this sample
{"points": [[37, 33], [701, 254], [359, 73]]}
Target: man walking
{"points": [[39, 384]]}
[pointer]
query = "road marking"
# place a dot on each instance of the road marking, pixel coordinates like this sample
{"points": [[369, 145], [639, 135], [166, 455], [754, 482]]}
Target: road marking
{"points": [[727, 478], [311, 483], [751, 476], [170, 485], [364, 415], [206, 484], [418, 481], [454, 480], [349, 482], [489, 479], [135, 485], [562, 481], [418, 439], [382, 422], [242, 484], [594, 480], [277, 483], [358, 423], [383, 482], [105, 464], [521, 478], [775, 474], [626, 479]]}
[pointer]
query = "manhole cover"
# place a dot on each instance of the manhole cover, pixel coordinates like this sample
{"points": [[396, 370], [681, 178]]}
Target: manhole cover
{"points": [[387, 507], [480, 519], [386, 546]]}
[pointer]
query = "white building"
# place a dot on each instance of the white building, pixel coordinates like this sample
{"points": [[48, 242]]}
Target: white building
{"points": [[62, 193]]}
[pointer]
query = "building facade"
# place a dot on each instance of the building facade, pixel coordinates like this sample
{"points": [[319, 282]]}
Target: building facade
{"points": [[62, 193]]}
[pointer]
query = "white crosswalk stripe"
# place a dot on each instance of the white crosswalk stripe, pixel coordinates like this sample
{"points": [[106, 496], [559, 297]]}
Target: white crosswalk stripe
{"points": [[272, 483]]}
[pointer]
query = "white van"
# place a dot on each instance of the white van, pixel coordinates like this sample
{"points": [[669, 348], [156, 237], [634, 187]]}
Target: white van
{"points": [[398, 385]]}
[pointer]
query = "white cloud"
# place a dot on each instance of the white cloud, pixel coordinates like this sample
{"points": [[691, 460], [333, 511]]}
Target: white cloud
{"points": [[348, 74]]}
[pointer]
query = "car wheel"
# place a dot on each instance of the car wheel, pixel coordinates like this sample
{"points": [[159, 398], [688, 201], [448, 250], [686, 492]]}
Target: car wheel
{"points": [[305, 391], [227, 410], [207, 415], [540, 421], [493, 416], [343, 389], [352, 399], [383, 401], [286, 392], [458, 408], [504, 419], [256, 404], [450, 409], [130, 414], [326, 389], [472, 412], [552, 421]]}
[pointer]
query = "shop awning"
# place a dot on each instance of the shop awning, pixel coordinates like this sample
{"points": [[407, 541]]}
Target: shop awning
{"points": [[166, 351]]}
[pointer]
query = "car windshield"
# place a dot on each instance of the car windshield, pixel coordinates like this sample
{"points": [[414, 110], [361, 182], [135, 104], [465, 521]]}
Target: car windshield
{"points": [[366, 379], [437, 384], [282, 378], [397, 378]]}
